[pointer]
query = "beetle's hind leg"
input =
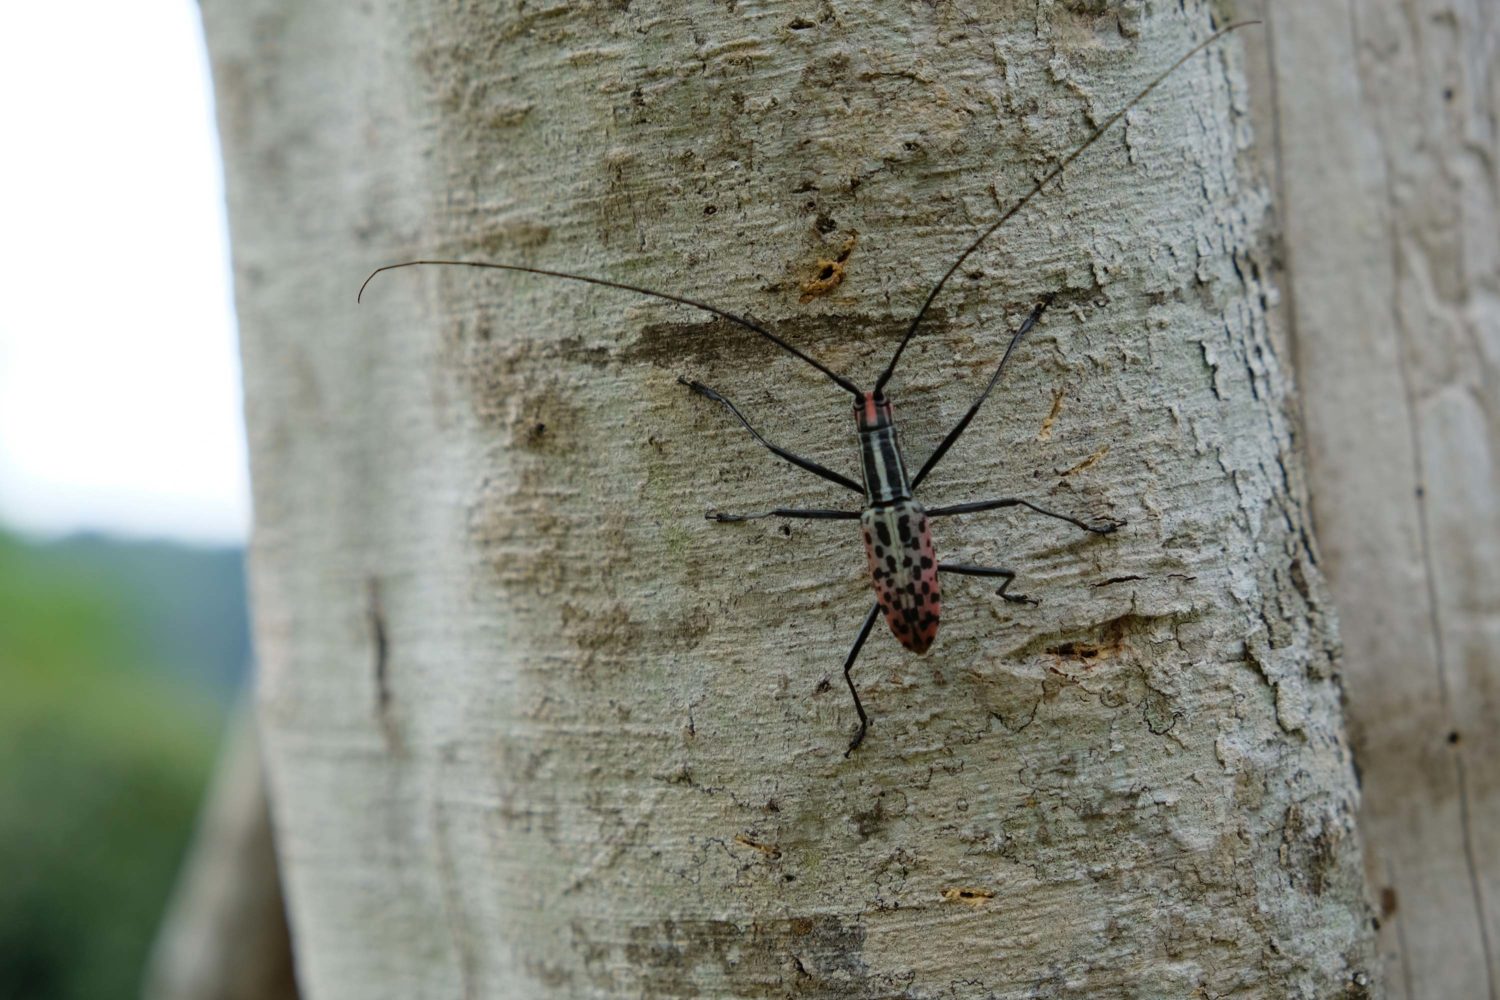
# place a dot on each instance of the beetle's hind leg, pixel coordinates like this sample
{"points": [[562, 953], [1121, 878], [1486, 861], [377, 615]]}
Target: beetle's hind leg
{"points": [[859, 642], [1007, 575], [975, 506]]}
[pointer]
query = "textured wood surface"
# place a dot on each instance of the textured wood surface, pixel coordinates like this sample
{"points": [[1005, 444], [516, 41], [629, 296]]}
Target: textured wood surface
{"points": [[1389, 188]]}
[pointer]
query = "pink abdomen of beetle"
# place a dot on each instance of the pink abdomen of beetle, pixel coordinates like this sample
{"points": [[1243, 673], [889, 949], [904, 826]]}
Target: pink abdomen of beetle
{"points": [[903, 569]]}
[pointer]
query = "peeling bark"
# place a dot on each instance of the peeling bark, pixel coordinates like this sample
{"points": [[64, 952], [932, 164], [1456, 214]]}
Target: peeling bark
{"points": [[578, 741]]}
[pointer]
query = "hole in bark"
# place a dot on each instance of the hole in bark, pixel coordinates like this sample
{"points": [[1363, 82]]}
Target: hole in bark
{"points": [[830, 271]]}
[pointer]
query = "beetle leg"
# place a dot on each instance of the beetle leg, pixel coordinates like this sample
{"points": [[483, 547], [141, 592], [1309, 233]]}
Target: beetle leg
{"points": [[809, 515], [795, 459], [978, 505], [1008, 575], [859, 641], [963, 424]]}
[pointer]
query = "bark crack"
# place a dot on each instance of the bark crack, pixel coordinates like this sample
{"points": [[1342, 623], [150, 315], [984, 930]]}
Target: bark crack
{"points": [[381, 657]]}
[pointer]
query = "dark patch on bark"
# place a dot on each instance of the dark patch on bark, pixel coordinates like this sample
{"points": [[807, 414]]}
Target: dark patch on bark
{"points": [[1105, 641], [816, 956], [1310, 847], [536, 416], [837, 341], [381, 658]]}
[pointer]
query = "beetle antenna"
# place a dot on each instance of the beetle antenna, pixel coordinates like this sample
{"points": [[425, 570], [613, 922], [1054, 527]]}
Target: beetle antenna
{"points": [[841, 381], [1037, 188]]}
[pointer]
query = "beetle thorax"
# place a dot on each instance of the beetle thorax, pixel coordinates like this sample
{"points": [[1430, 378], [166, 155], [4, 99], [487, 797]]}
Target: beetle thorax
{"points": [[880, 453]]}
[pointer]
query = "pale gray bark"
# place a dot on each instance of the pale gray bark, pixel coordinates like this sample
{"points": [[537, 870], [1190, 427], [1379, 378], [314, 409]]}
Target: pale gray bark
{"points": [[1389, 182], [535, 728]]}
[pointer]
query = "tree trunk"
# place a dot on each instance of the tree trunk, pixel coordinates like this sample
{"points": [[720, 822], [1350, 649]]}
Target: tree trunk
{"points": [[224, 936], [1387, 163], [536, 728]]}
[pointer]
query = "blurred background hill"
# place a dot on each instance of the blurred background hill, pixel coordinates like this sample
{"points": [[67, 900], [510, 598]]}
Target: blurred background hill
{"points": [[119, 661], [120, 414]]}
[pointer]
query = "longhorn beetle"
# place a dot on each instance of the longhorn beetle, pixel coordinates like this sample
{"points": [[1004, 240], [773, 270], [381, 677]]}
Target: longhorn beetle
{"points": [[898, 542]]}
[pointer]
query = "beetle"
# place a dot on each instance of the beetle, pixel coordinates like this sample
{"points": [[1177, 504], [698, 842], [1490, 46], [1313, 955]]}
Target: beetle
{"points": [[903, 567]]}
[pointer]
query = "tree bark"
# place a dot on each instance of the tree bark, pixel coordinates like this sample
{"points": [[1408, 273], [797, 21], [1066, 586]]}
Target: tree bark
{"points": [[224, 936], [536, 728], [1387, 156]]}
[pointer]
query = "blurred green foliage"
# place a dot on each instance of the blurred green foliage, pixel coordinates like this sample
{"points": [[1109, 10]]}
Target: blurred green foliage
{"points": [[115, 670]]}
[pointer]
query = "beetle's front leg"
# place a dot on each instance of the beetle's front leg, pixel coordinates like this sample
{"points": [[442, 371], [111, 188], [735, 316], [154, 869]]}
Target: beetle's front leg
{"points": [[797, 460], [806, 514]]}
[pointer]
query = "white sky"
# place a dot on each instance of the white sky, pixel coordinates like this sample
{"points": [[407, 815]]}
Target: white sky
{"points": [[119, 377]]}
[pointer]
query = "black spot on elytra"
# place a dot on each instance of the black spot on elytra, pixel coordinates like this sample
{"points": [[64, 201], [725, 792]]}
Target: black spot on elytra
{"points": [[927, 562], [890, 562], [903, 528], [922, 524], [883, 532], [906, 562]]}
